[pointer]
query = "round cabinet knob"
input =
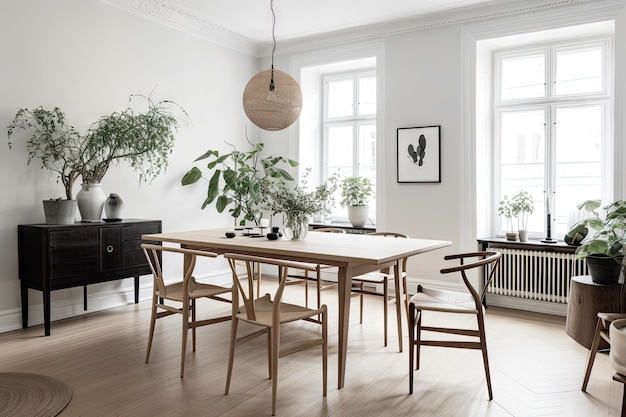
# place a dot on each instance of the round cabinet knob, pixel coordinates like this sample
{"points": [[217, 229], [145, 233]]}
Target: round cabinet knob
{"points": [[110, 248]]}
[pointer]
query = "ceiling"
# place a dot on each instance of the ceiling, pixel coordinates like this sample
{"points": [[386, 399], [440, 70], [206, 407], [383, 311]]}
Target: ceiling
{"points": [[247, 24]]}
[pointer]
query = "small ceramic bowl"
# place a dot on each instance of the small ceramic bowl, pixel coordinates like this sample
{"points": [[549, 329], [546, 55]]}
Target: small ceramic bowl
{"points": [[230, 234], [272, 236]]}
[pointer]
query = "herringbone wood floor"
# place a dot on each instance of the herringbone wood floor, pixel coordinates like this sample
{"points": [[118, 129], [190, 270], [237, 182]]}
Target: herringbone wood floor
{"points": [[536, 368]]}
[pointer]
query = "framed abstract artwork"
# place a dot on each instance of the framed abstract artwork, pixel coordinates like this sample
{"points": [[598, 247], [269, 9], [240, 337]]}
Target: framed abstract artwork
{"points": [[419, 154]]}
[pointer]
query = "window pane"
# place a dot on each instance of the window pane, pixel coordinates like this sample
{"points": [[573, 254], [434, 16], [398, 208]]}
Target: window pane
{"points": [[367, 95], [578, 159], [578, 71], [340, 150], [522, 77], [522, 157], [340, 98]]}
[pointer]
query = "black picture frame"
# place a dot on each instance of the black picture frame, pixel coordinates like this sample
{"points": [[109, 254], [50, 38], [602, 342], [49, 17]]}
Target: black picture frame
{"points": [[419, 154]]}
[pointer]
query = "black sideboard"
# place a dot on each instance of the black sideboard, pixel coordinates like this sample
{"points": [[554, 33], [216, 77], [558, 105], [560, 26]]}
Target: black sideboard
{"points": [[54, 257]]}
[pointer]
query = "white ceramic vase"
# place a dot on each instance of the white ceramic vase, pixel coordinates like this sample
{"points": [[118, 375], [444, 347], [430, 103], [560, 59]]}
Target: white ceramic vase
{"points": [[358, 215], [91, 200]]}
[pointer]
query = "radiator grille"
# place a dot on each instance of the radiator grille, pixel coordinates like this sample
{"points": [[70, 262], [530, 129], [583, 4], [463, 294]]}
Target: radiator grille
{"points": [[535, 275]]}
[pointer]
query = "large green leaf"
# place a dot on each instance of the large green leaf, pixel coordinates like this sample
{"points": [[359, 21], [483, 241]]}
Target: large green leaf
{"points": [[222, 203], [206, 155], [214, 184], [192, 176]]}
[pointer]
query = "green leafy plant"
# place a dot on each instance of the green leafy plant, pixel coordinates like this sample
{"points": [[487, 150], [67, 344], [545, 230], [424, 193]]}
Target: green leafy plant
{"points": [[355, 191], [505, 208], [522, 206], [143, 139], [609, 234], [235, 178], [296, 202], [53, 141]]}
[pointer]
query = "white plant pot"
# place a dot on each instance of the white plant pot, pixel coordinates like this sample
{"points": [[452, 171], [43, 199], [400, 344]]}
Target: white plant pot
{"points": [[358, 215], [91, 200], [617, 335]]}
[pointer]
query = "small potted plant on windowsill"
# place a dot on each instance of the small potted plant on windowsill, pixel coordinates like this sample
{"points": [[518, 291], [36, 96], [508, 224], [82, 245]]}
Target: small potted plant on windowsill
{"points": [[505, 208], [603, 250], [522, 206], [355, 194]]}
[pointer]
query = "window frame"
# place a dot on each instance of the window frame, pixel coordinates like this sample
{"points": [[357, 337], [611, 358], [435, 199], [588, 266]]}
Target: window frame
{"points": [[549, 104]]}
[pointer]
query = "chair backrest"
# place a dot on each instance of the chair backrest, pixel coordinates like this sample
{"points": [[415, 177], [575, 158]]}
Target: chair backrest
{"points": [[330, 230], [487, 259], [246, 292], [394, 235], [153, 254]]}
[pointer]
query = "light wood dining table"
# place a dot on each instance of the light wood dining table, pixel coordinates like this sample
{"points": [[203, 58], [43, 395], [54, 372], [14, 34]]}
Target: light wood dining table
{"points": [[352, 254]]}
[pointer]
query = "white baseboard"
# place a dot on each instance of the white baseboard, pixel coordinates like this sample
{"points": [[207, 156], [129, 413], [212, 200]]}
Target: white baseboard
{"points": [[97, 300]]}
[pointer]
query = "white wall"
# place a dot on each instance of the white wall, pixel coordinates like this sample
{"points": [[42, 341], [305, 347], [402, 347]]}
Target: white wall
{"points": [[87, 57]]}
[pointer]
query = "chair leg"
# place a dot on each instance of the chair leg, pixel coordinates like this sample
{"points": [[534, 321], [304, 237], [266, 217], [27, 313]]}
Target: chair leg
{"points": [[592, 353], [193, 320], [385, 308], [183, 348], [231, 353], [306, 288], [325, 351], [152, 325], [275, 332], [483, 347], [411, 317], [269, 354], [418, 339]]}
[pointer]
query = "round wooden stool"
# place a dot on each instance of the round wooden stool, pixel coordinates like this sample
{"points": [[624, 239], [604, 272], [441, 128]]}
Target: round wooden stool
{"points": [[586, 300]]}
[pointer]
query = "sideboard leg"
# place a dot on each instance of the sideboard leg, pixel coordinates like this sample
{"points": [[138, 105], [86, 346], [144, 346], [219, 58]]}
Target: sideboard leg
{"points": [[136, 289], [85, 297], [46, 312], [24, 288]]}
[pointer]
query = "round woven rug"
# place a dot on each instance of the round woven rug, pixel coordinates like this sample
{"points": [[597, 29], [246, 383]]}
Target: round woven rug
{"points": [[32, 395]]}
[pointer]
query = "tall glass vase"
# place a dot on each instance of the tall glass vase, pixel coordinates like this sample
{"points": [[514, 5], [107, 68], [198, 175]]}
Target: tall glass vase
{"points": [[296, 226]]}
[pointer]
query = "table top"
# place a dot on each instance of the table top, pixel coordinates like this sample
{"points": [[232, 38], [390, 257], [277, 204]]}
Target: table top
{"points": [[328, 248]]}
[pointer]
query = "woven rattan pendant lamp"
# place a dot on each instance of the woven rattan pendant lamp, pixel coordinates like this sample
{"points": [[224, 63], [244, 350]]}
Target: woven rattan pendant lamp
{"points": [[272, 99]]}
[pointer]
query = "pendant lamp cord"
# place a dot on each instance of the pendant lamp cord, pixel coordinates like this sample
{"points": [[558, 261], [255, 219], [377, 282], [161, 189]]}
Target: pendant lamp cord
{"points": [[273, 43]]}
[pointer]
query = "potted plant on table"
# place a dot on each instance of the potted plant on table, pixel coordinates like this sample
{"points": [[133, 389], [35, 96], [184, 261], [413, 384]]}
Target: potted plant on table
{"points": [[143, 139], [603, 249], [58, 146], [522, 206], [355, 194], [298, 204], [235, 180]]}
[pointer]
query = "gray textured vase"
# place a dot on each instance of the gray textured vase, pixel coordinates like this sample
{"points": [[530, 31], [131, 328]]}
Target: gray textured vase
{"points": [[90, 200], [113, 207]]}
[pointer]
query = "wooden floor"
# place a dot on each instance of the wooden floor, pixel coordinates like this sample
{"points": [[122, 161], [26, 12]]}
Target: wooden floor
{"points": [[536, 368]]}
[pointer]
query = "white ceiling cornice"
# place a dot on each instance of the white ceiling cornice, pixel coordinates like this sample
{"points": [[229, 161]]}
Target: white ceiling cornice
{"points": [[165, 12]]}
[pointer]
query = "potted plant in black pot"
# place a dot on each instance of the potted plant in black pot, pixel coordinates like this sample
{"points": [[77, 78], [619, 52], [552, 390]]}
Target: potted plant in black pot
{"points": [[603, 248], [505, 208]]}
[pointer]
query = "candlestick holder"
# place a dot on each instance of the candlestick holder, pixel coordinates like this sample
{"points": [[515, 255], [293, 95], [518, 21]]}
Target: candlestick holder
{"points": [[548, 238]]}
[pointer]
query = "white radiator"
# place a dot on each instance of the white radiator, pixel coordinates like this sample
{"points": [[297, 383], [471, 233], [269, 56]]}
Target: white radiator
{"points": [[535, 275]]}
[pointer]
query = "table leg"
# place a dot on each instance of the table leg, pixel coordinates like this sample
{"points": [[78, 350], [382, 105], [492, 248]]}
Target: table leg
{"points": [[397, 278], [344, 292], [136, 289]]}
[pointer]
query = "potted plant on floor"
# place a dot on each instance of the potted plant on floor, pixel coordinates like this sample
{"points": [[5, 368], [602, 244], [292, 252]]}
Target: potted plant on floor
{"points": [[522, 206], [234, 180], [355, 194], [603, 249], [58, 146]]}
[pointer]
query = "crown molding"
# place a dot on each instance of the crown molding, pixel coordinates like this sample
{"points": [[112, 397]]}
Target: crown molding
{"points": [[165, 12]]}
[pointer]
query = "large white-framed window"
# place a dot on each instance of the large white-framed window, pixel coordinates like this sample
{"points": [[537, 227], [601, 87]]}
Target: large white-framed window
{"points": [[349, 128], [552, 113]]}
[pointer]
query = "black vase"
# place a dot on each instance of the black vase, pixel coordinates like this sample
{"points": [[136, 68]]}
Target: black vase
{"points": [[603, 269]]}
